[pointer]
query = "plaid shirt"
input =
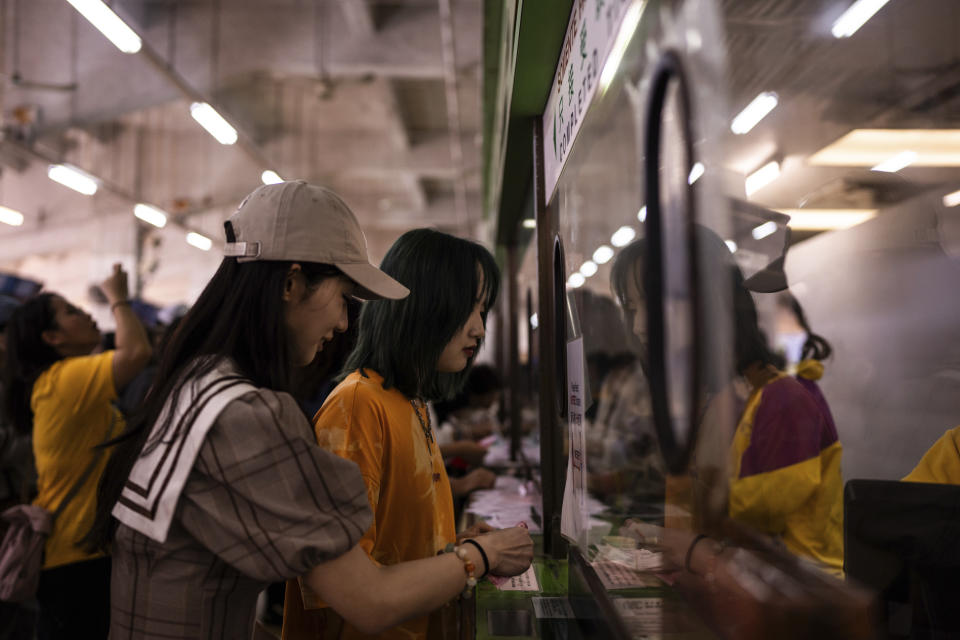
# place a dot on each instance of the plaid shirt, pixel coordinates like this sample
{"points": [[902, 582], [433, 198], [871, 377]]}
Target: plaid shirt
{"points": [[262, 504]]}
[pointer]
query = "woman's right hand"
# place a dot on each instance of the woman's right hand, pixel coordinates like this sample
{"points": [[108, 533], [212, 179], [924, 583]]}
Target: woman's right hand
{"points": [[115, 286], [509, 551]]}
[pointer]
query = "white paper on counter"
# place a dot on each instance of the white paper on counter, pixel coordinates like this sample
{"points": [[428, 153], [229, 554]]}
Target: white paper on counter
{"points": [[526, 581], [617, 576]]}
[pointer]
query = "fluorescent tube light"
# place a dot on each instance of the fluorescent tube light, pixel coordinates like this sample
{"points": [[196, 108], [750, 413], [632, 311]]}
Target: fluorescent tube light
{"points": [[855, 17], [109, 24], [951, 199], [731, 245], [588, 268], [152, 215], [622, 236], [630, 21], [762, 231], [213, 122], [826, 219], [11, 217], [762, 177], [870, 147], [603, 254], [754, 112], [695, 172], [199, 241], [529, 223], [73, 178], [270, 177], [642, 214], [576, 280], [900, 161]]}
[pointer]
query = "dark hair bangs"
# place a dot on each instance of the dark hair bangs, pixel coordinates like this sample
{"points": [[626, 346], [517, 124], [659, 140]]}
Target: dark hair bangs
{"points": [[402, 339]]}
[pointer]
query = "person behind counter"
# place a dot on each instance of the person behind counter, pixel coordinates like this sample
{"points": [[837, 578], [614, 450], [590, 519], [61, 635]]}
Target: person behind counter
{"points": [[59, 388], [218, 488], [784, 475], [409, 352]]}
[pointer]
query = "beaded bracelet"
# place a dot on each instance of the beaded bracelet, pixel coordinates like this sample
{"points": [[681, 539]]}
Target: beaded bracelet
{"points": [[468, 567], [470, 570]]}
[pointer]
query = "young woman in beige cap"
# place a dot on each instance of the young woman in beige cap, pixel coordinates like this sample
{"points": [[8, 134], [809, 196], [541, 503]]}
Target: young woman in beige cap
{"points": [[218, 487]]}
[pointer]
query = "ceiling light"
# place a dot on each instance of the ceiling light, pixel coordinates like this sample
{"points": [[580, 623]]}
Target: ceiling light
{"points": [[762, 231], [154, 216], [855, 17], [199, 241], [824, 219], [630, 21], [762, 177], [109, 24], [73, 178], [270, 177], [529, 223], [622, 236], [695, 172], [213, 122], [534, 321], [870, 147], [731, 245], [642, 214], [11, 217], [603, 254], [576, 280], [900, 161], [588, 268], [754, 112], [951, 199]]}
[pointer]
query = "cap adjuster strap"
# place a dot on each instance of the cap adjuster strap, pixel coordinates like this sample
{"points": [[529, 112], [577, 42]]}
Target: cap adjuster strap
{"points": [[242, 250]]}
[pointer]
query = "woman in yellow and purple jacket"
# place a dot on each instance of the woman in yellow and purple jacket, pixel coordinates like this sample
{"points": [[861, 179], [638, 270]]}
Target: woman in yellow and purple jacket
{"points": [[784, 459], [785, 476]]}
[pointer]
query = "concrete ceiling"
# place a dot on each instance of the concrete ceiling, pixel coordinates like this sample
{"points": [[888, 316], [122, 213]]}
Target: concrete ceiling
{"points": [[380, 100]]}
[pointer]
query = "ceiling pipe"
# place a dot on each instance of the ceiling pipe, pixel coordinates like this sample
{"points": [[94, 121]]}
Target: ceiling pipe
{"points": [[453, 110], [244, 141]]}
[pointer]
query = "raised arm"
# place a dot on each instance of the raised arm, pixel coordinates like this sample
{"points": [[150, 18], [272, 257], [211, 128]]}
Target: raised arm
{"points": [[133, 346]]}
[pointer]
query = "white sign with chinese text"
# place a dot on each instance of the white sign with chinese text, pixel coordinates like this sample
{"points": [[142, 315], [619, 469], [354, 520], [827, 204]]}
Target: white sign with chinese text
{"points": [[591, 33], [574, 519]]}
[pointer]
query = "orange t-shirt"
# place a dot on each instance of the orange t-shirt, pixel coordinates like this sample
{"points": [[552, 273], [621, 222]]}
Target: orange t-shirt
{"points": [[407, 484]]}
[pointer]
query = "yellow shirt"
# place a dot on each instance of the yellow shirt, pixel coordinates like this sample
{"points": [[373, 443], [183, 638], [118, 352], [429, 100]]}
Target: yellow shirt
{"points": [[941, 463], [407, 485], [71, 415]]}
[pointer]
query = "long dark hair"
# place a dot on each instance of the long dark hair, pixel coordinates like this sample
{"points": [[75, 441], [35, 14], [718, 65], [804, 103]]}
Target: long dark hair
{"points": [[402, 339], [816, 346], [28, 355], [750, 344], [238, 316]]}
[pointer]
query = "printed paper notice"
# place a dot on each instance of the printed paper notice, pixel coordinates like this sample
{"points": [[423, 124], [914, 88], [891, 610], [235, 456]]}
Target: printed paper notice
{"points": [[526, 581], [574, 517], [552, 608]]}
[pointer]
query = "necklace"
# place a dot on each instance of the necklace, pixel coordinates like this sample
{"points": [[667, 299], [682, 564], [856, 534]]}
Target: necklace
{"points": [[427, 431]]}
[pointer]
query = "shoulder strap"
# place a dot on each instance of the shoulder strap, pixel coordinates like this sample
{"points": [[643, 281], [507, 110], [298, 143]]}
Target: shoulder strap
{"points": [[98, 453]]}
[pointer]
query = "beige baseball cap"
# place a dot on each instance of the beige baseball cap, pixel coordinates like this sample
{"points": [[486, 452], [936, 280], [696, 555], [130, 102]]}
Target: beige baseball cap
{"points": [[299, 221]]}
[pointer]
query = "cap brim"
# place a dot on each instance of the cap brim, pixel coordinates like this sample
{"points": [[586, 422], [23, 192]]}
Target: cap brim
{"points": [[770, 279], [372, 283]]}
